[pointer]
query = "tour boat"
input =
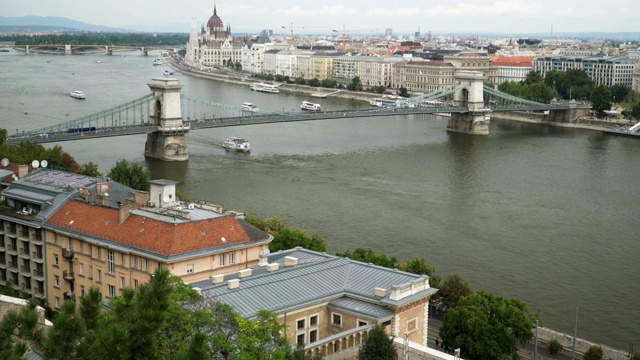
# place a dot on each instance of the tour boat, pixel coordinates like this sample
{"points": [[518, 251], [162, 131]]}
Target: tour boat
{"points": [[249, 107], [157, 61], [236, 143], [77, 94], [264, 87], [309, 106]]}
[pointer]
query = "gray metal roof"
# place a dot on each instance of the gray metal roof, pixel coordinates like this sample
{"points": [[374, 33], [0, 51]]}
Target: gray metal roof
{"points": [[317, 277], [361, 308]]}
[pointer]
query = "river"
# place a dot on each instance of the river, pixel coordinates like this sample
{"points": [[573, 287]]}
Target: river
{"points": [[547, 215]]}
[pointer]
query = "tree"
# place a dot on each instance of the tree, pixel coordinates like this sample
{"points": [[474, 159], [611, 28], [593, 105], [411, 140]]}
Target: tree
{"points": [[419, 266], [554, 347], [485, 326], [377, 346], [533, 77], [66, 339], [636, 356], [619, 92], [314, 82], [19, 331], [89, 169], [300, 81], [3, 135], [263, 338], [356, 84], [289, 238], [368, 256], [635, 111], [453, 289], [601, 100], [132, 175], [594, 352]]}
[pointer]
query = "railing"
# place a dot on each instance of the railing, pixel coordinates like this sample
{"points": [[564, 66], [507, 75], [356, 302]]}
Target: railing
{"points": [[340, 342], [38, 292], [13, 265], [68, 275], [37, 255], [36, 238], [70, 295], [24, 252], [38, 273], [12, 248], [67, 253], [25, 270]]}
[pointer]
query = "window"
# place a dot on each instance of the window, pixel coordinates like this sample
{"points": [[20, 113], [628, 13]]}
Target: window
{"points": [[56, 282], [81, 246], [190, 269], [412, 325], [135, 261], [336, 319], [232, 258], [112, 291], [146, 264], [313, 320], [57, 302], [135, 284], [122, 259], [81, 269], [90, 271], [56, 260], [313, 336], [159, 265], [99, 276], [81, 290], [122, 282], [300, 339], [362, 323], [111, 266], [300, 324], [222, 258], [99, 253]]}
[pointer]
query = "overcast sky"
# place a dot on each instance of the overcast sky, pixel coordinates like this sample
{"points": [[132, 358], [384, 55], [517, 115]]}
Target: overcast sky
{"points": [[439, 16]]}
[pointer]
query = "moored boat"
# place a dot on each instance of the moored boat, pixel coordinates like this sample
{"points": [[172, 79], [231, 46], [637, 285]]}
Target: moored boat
{"points": [[77, 94], [157, 61], [309, 106], [249, 107], [237, 144], [168, 72], [264, 87]]}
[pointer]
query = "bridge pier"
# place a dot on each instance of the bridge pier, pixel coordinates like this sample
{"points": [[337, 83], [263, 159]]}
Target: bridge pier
{"points": [[470, 96], [67, 49], [168, 142]]}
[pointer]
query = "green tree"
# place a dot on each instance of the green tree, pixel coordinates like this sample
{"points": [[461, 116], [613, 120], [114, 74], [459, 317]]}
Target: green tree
{"points": [[594, 352], [485, 326], [533, 77], [314, 82], [3, 135], [368, 256], [263, 338], [19, 330], [132, 175], [601, 100], [635, 111], [300, 81], [289, 238], [89, 169], [377, 346], [420, 266], [66, 339], [453, 290], [356, 84], [619, 92], [554, 347]]}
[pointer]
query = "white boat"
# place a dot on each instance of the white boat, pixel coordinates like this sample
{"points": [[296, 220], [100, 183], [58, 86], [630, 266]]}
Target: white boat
{"points": [[249, 107], [98, 61], [77, 94], [167, 73], [443, 114], [309, 106], [389, 101], [157, 61], [264, 87], [236, 143]]}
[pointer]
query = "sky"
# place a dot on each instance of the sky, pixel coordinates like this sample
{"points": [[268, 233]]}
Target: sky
{"points": [[440, 16]]}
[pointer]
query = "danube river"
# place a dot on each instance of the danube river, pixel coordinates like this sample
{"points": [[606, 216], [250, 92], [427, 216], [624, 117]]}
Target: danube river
{"points": [[547, 215]]}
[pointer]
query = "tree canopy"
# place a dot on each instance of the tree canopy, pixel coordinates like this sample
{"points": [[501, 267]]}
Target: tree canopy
{"points": [[594, 352], [486, 327], [452, 290], [377, 346], [129, 174], [285, 237], [601, 100]]}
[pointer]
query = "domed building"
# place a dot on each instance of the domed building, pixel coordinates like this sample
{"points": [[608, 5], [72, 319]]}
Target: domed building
{"points": [[214, 46]]}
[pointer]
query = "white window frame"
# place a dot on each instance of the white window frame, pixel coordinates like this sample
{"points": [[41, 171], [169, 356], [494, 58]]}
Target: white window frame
{"points": [[190, 269], [56, 281], [81, 269], [99, 279], [358, 321], [112, 290], [415, 319], [222, 259], [317, 331], [111, 264], [56, 260], [57, 302], [232, 258]]}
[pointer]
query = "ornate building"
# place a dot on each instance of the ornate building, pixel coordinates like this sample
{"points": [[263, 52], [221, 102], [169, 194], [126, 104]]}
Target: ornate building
{"points": [[214, 46]]}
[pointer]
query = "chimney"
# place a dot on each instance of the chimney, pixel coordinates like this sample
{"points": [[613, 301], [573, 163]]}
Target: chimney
{"points": [[380, 292], [233, 283], [263, 261], [84, 193], [244, 273], [23, 170], [217, 279], [123, 212], [41, 315], [142, 198], [290, 261], [273, 267]]}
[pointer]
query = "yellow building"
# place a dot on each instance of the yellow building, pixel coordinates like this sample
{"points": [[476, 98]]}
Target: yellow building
{"points": [[91, 244], [423, 76], [474, 62], [321, 65]]}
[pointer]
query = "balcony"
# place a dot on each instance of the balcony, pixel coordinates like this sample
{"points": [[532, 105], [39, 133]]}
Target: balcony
{"points": [[25, 287], [23, 234], [339, 344], [37, 256], [2, 246], [68, 275], [67, 253], [12, 249], [13, 266], [36, 238], [24, 252], [38, 274], [14, 285], [25, 270], [70, 295], [38, 292]]}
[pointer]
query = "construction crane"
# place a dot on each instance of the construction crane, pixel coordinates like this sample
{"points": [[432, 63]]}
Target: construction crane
{"points": [[291, 27], [344, 35]]}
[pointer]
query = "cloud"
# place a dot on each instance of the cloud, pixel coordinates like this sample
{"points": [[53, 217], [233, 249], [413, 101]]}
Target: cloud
{"points": [[401, 12], [297, 11], [501, 8]]}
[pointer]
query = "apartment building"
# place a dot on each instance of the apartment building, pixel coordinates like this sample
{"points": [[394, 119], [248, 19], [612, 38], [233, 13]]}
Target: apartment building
{"points": [[376, 71], [422, 76], [89, 243], [475, 62], [321, 65], [344, 69], [512, 68], [327, 303], [29, 201], [603, 70]]}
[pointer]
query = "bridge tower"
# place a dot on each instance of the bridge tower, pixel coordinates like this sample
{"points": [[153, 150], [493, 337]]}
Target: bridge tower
{"points": [[67, 49], [469, 96], [168, 142]]}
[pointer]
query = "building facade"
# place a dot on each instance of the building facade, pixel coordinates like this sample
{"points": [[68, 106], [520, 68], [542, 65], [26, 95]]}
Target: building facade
{"points": [[512, 68], [215, 46], [603, 70], [474, 62], [422, 76]]}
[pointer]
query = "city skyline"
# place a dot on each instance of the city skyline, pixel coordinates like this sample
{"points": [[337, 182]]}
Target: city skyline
{"points": [[455, 16]]}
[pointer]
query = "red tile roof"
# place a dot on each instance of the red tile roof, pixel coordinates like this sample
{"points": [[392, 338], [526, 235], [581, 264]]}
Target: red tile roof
{"points": [[166, 238], [522, 61]]}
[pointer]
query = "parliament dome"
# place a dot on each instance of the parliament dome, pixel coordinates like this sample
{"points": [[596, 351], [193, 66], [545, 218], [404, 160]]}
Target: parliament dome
{"points": [[214, 21]]}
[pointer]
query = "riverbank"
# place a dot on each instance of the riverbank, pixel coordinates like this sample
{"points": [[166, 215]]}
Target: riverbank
{"points": [[581, 122]]}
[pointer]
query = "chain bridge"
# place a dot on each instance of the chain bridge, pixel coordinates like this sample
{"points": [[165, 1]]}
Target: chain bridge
{"points": [[166, 116]]}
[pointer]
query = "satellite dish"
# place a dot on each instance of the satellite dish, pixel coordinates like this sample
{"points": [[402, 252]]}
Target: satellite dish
{"points": [[165, 199], [14, 176], [35, 164], [44, 163], [5, 162]]}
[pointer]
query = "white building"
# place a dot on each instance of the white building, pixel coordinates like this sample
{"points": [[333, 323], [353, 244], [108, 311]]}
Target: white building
{"points": [[214, 46], [603, 70]]}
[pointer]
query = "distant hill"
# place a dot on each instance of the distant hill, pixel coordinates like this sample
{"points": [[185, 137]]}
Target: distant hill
{"points": [[50, 23]]}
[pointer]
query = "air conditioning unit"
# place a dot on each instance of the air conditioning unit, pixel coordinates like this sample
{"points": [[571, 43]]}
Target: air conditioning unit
{"points": [[151, 204]]}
